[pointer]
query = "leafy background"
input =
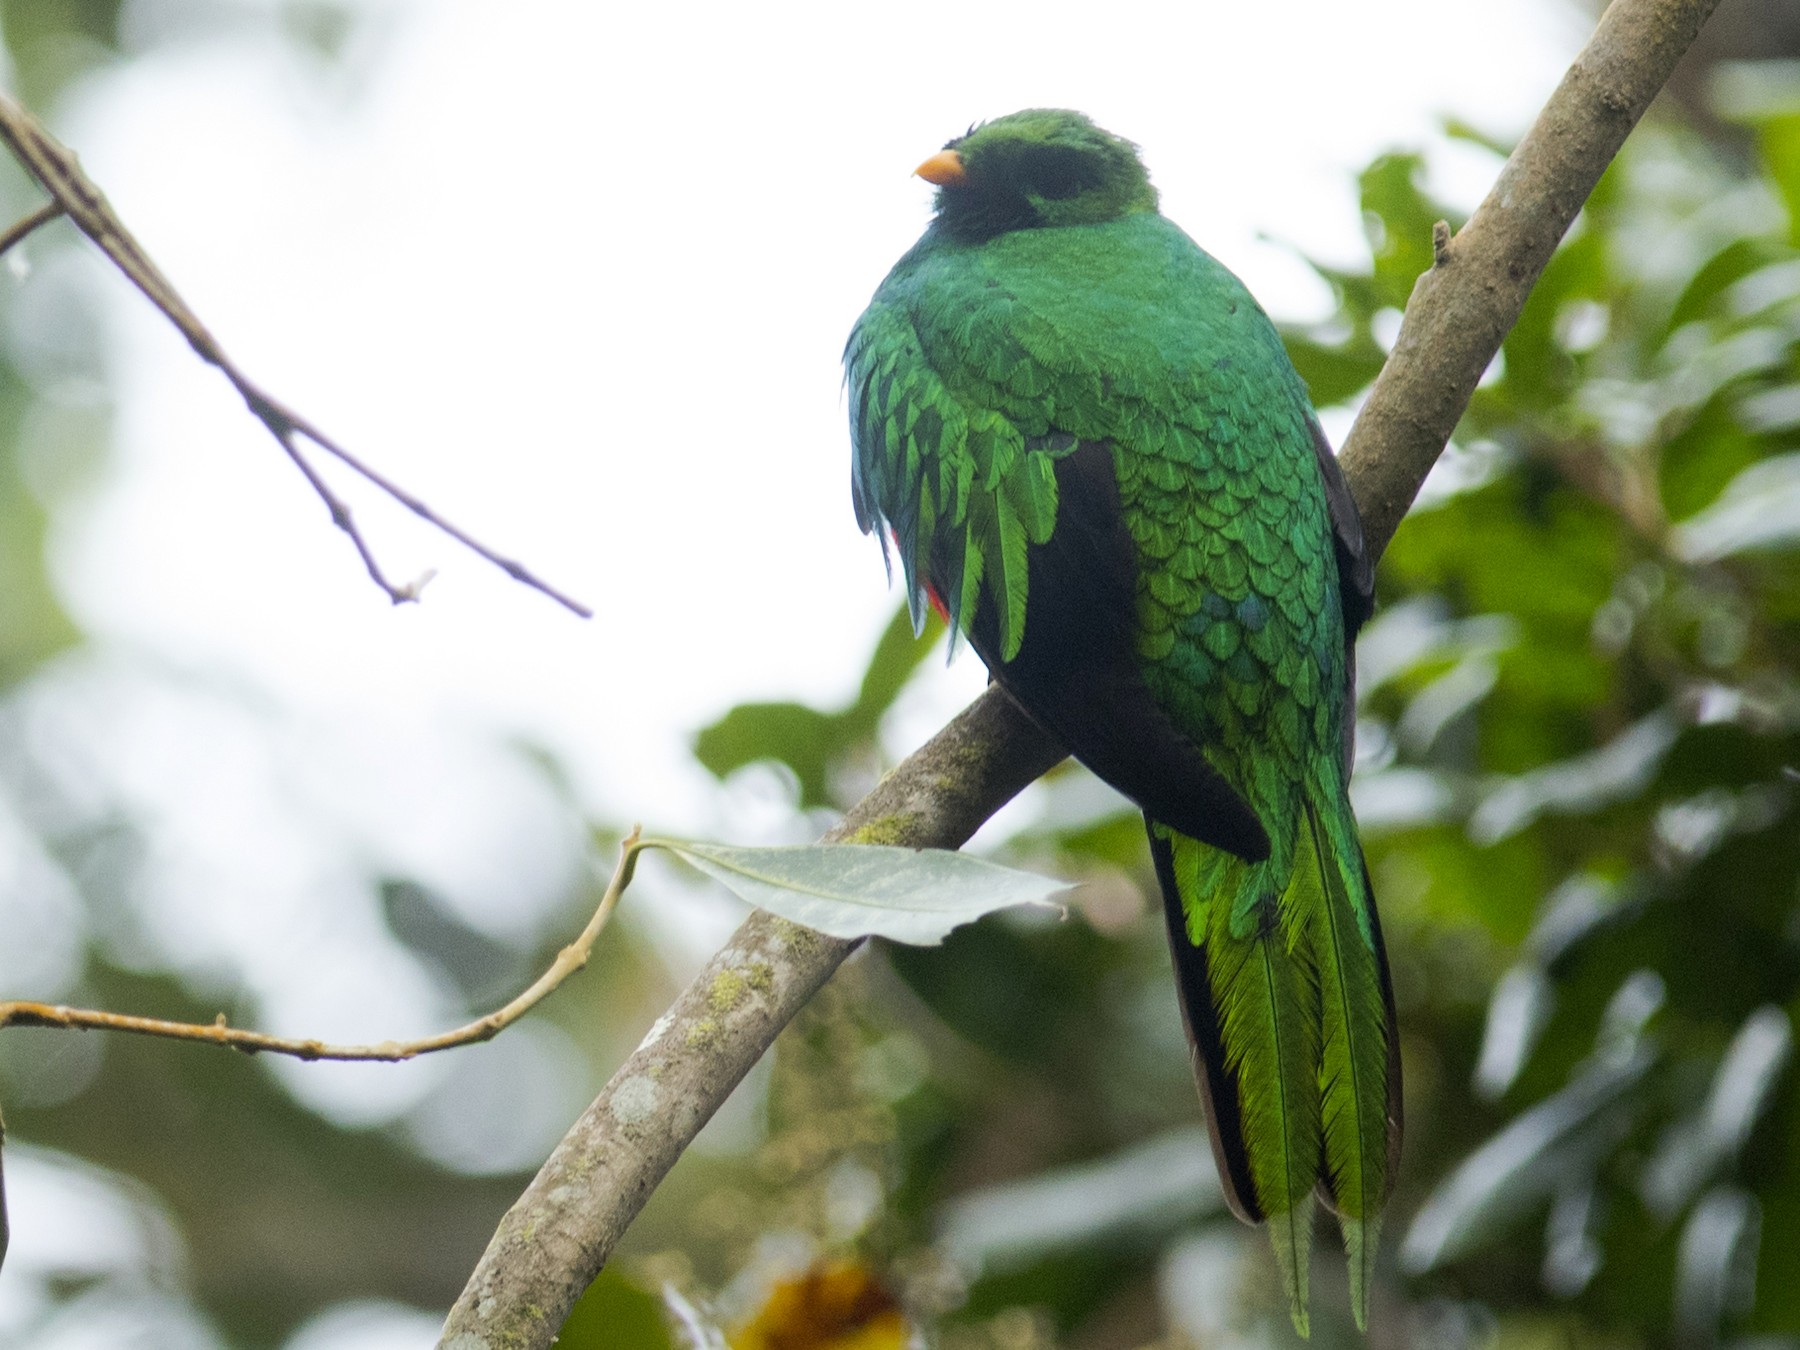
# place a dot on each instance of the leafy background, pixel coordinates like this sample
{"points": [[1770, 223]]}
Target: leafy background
{"points": [[1578, 743]]}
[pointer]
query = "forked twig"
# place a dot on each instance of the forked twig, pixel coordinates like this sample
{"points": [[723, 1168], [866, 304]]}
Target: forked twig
{"points": [[73, 193], [46, 213]]}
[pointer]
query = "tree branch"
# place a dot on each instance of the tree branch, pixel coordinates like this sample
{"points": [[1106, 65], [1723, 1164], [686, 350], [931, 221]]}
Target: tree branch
{"points": [[73, 193], [17, 231], [19, 1013], [553, 1242], [555, 1239], [1465, 305]]}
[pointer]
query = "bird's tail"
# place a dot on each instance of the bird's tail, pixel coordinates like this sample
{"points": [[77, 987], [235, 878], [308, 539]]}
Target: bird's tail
{"points": [[1289, 1010]]}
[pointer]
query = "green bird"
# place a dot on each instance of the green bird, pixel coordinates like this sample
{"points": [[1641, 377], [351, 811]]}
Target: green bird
{"points": [[1094, 457]]}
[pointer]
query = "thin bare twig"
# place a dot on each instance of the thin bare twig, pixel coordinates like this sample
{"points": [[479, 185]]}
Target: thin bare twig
{"points": [[569, 960], [72, 192], [46, 213]]}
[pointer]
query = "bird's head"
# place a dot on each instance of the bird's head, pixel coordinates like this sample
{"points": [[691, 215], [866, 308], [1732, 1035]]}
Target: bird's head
{"points": [[1041, 168]]}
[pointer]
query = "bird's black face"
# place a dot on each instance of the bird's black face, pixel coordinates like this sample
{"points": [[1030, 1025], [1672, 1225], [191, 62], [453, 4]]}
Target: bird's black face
{"points": [[1036, 169]]}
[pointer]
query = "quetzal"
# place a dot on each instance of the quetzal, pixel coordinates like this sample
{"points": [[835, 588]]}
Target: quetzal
{"points": [[1094, 456]]}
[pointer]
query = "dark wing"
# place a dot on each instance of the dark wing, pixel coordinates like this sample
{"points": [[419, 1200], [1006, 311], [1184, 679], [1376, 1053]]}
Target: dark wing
{"points": [[1356, 573], [1206, 1043], [1356, 570], [1076, 671]]}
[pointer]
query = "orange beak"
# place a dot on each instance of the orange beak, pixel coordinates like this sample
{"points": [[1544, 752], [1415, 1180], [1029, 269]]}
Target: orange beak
{"points": [[945, 169]]}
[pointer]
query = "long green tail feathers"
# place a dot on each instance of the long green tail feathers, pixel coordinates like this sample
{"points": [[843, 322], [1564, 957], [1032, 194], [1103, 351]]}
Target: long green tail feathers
{"points": [[1287, 1002], [1269, 1023]]}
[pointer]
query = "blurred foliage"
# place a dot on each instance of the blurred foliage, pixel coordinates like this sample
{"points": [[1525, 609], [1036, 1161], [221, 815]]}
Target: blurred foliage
{"points": [[835, 1305], [54, 42], [615, 1312], [813, 744]]}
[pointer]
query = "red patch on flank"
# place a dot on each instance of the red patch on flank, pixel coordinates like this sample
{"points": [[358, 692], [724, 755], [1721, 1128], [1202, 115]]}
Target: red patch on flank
{"points": [[937, 602]]}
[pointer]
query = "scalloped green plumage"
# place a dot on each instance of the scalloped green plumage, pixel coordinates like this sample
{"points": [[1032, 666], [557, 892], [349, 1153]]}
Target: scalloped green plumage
{"points": [[1090, 449]]}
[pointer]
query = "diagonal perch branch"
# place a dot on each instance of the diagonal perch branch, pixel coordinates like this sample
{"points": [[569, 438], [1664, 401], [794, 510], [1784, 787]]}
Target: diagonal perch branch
{"points": [[73, 193], [554, 1241], [1465, 305], [557, 1236]]}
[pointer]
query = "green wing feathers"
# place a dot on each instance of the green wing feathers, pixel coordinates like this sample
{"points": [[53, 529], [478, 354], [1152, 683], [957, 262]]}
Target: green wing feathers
{"points": [[956, 486], [1284, 985]]}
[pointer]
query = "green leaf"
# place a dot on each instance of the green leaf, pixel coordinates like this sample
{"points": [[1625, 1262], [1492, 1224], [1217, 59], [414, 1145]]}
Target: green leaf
{"points": [[1457, 129], [1399, 217], [1694, 1149], [806, 740], [810, 741], [897, 655], [616, 1314], [1504, 1180], [1032, 994], [1727, 267], [1700, 460], [1760, 508], [1779, 136], [1334, 372], [862, 890]]}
